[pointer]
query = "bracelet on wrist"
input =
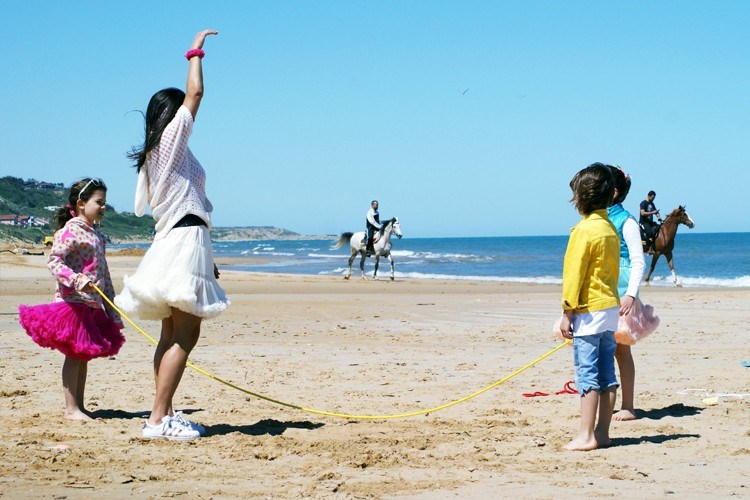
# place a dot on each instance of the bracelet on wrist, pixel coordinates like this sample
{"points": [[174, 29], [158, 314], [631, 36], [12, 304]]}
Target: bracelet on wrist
{"points": [[194, 53]]}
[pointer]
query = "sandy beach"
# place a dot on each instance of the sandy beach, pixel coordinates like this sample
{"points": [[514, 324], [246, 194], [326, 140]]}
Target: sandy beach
{"points": [[378, 347]]}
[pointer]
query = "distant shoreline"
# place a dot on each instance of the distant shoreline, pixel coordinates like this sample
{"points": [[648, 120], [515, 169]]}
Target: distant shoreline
{"points": [[218, 234]]}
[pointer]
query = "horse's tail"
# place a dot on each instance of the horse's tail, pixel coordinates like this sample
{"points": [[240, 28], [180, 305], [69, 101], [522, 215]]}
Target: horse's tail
{"points": [[343, 240]]}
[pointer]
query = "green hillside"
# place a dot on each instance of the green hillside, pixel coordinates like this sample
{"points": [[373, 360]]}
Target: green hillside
{"points": [[34, 198], [30, 197]]}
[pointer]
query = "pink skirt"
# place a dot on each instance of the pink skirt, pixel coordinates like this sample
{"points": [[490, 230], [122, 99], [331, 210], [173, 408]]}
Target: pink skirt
{"points": [[637, 324], [76, 330]]}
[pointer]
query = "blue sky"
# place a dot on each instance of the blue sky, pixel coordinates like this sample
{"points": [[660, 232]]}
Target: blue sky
{"points": [[463, 118]]}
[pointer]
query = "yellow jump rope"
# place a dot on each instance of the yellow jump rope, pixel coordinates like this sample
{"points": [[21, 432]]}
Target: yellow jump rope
{"points": [[334, 414]]}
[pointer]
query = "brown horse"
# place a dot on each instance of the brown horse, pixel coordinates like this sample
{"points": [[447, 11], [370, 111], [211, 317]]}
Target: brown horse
{"points": [[664, 242]]}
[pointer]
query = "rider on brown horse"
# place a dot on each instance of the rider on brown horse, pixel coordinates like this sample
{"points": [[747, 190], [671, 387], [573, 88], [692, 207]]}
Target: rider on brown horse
{"points": [[664, 240], [649, 229]]}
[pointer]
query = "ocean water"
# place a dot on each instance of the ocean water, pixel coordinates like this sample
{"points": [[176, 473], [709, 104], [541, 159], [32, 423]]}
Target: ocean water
{"points": [[701, 259]]}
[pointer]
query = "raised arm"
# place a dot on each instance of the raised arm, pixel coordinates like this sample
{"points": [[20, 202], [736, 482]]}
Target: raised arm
{"points": [[194, 86]]}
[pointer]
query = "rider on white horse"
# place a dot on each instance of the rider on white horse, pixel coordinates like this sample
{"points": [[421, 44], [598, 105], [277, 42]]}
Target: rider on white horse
{"points": [[380, 248], [373, 224]]}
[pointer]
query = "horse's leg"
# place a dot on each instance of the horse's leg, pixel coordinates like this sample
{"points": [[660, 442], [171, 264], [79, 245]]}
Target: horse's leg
{"points": [[654, 258], [351, 259], [377, 263], [671, 268], [362, 264], [393, 269]]}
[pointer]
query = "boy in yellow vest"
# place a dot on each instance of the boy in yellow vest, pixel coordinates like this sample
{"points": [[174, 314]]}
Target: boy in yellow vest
{"points": [[590, 303]]}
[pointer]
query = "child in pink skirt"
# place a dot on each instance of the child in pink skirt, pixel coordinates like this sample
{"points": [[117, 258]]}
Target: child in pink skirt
{"points": [[78, 323]]}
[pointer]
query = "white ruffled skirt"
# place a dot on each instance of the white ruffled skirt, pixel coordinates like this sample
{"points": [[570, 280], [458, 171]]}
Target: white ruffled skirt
{"points": [[177, 271]]}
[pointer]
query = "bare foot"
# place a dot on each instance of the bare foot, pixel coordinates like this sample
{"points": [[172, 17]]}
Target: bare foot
{"points": [[602, 440], [77, 415], [624, 415], [582, 444]]}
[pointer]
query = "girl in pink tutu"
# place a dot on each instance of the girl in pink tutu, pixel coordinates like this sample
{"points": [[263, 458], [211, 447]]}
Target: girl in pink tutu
{"points": [[78, 323], [637, 320]]}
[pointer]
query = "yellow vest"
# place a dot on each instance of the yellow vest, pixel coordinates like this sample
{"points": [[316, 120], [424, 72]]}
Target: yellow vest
{"points": [[592, 265]]}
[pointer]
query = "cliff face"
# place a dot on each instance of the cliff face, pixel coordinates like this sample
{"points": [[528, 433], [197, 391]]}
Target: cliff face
{"points": [[260, 233]]}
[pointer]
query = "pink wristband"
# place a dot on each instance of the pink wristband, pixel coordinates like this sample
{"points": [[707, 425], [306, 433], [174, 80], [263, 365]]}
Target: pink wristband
{"points": [[193, 53]]}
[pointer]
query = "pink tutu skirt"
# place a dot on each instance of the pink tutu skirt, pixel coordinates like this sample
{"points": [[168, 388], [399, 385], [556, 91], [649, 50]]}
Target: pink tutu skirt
{"points": [[636, 325], [74, 329]]}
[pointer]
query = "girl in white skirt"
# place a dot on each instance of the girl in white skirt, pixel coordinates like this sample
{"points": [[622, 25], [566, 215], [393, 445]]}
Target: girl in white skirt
{"points": [[176, 280]]}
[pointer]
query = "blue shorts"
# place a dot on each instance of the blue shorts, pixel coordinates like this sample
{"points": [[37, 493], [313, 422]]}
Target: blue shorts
{"points": [[594, 360]]}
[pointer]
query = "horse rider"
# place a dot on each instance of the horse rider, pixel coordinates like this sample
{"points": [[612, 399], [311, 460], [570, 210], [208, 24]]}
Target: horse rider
{"points": [[373, 224], [650, 229]]}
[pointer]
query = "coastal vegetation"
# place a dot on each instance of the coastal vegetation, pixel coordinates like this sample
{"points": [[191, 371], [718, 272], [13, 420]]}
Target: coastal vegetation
{"points": [[33, 203], [27, 207]]}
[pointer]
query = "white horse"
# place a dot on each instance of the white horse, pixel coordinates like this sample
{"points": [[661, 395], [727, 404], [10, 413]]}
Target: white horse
{"points": [[381, 248]]}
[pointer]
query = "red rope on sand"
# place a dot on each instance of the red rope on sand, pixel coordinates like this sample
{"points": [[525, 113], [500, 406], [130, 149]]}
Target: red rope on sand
{"points": [[568, 388]]}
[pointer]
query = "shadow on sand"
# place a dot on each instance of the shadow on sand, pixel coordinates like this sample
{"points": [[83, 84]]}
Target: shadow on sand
{"points": [[675, 410], [658, 439], [128, 415], [262, 427], [118, 414], [268, 426]]}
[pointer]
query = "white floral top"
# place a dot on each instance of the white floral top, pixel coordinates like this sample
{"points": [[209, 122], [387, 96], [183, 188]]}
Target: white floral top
{"points": [[76, 259]]}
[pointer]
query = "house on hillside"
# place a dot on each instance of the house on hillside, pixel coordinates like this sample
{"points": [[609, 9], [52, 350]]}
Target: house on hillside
{"points": [[47, 186], [35, 221], [8, 220], [24, 220]]}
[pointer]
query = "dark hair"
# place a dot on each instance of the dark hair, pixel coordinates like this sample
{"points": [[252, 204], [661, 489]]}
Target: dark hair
{"points": [[622, 184], [652, 193], [593, 188], [373, 201], [80, 190], [161, 110]]}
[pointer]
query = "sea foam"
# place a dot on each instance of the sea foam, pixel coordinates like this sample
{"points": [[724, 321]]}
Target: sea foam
{"points": [[739, 282]]}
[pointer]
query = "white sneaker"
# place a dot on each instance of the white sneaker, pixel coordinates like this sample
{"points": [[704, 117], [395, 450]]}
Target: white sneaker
{"points": [[170, 428], [178, 415]]}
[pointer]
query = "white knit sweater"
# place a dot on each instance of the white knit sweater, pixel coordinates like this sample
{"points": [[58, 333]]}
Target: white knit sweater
{"points": [[172, 182]]}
